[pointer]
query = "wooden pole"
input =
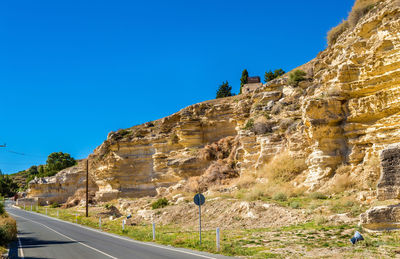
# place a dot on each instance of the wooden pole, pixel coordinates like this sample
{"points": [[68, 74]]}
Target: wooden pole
{"points": [[87, 187]]}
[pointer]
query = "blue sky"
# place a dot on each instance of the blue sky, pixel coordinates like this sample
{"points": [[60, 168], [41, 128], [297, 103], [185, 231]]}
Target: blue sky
{"points": [[72, 71]]}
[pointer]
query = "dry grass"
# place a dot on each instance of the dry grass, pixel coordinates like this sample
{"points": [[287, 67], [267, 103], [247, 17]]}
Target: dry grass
{"points": [[373, 167], [342, 180], [8, 229], [283, 168], [360, 8], [335, 32]]}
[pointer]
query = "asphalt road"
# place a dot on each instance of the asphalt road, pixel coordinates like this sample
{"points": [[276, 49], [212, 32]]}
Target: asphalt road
{"points": [[40, 236]]}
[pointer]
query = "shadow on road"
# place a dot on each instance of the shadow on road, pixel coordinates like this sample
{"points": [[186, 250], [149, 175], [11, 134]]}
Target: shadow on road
{"points": [[31, 242]]}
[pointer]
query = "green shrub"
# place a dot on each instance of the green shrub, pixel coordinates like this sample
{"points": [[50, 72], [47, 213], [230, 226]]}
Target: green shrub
{"points": [[160, 203], [318, 196], [335, 32], [2, 210], [294, 204], [249, 124], [54, 205], [280, 196], [296, 76]]}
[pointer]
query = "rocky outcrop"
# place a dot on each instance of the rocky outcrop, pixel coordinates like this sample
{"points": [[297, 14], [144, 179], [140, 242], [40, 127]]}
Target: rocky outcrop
{"points": [[58, 188], [389, 182], [345, 112], [382, 218]]}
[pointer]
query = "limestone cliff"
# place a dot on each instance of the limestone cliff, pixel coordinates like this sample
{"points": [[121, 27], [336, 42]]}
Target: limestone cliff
{"points": [[344, 113]]}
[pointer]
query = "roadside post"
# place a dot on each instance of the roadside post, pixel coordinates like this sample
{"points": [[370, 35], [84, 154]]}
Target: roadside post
{"points": [[154, 231], [31, 206], [199, 200], [76, 217], [100, 222], [217, 238], [123, 225], [46, 211], [24, 206], [57, 214]]}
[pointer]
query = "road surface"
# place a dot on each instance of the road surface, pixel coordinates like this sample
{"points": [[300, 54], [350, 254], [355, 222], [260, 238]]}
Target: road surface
{"points": [[40, 236]]}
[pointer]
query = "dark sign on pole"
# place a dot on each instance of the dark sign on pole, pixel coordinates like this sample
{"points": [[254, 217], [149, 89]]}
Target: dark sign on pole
{"points": [[199, 200]]}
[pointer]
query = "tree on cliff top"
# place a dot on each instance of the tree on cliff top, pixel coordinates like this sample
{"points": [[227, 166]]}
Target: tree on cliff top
{"points": [[224, 90], [243, 79], [58, 161], [272, 75]]}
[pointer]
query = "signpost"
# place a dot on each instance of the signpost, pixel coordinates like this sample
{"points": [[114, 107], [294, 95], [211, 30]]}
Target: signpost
{"points": [[199, 200]]}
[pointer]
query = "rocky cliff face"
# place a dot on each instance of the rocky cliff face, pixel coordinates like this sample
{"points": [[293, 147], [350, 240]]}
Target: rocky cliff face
{"points": [[343, 114]]}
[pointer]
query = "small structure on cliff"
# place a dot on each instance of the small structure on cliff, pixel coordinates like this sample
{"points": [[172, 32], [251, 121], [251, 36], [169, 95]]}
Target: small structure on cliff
{"points": [[253, 83]]}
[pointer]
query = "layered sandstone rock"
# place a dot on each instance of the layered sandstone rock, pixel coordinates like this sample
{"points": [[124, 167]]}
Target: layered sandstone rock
{"points": [[58, 188], [345, 113]]}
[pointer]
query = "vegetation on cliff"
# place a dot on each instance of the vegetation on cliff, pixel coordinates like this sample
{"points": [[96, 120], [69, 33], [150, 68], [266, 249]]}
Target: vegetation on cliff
{"points": [[56, 162], [360, 8], [224, 90], [8, 228], [7, 186]]}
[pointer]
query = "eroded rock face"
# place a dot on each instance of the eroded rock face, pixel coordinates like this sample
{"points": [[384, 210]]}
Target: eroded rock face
{"points": [[345, 112], [58, 188], [389, 182]]}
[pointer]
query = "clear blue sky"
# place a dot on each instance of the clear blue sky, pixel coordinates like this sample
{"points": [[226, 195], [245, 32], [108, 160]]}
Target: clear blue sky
{"points": [[72, 71]]}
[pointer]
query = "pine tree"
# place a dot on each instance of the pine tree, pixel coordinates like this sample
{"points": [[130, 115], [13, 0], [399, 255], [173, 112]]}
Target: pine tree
{"points": [[272, 75], [224, 90], [243, 79]]}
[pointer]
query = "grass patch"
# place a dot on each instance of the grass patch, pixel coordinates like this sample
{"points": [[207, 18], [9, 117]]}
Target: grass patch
{"points": [[160, 203]]}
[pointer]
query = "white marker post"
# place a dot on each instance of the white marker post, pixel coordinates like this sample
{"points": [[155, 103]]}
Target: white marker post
{"points": [[123, 225], [154, 232], [46, 211], [24, 206], [57, 214], [217, 239], [76, 217], [100, 222], [31, 206]]}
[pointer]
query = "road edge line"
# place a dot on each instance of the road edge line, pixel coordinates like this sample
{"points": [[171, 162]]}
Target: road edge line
{"points": [[95, 249], [20, 248], [125, 238]]}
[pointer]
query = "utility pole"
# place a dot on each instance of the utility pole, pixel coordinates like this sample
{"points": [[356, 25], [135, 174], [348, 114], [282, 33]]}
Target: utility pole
{"points": [[87, 187]]}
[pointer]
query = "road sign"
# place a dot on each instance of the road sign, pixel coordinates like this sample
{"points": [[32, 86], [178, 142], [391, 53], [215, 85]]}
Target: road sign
{"points": [[199, 199]]}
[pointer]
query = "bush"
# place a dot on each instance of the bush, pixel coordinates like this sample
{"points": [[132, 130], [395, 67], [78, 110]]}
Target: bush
{"points": [[249, 124], [318, 196], [8, 230], [160, 203], [360, 8], [335, 32], [262, 128], [280, 196], [2, 210], [296, 76], [284, 168], [54, 205]]}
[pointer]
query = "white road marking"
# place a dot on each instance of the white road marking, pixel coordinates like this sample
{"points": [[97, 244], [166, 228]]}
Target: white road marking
{"points": [[124, 238], [97, 250], [20, 249]]}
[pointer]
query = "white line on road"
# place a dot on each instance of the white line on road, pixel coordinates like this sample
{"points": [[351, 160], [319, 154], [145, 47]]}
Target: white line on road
{"points": [[97, 250], [123, 238], [20, 249]]}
